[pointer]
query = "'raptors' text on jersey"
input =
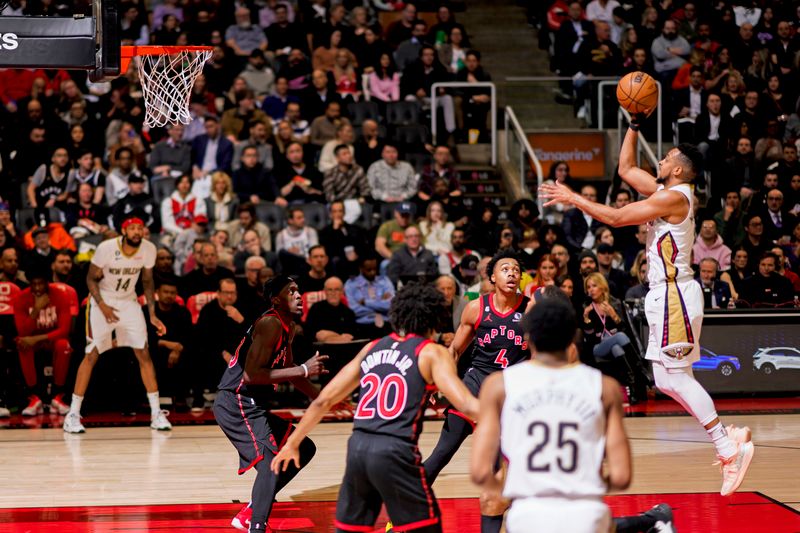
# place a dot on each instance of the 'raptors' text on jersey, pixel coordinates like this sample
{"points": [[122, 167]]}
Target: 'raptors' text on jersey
{"points": [[499, 339], [393, 392], [233, 377]]}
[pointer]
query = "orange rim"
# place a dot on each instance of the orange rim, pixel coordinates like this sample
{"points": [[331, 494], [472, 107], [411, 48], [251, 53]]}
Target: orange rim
{"points": [[129, 52]]}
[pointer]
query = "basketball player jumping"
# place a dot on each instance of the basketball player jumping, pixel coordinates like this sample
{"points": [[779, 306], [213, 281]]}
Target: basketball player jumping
{"points": [[493, 323], [262, 360], [674, 304], [397, 374], [113, 274]]}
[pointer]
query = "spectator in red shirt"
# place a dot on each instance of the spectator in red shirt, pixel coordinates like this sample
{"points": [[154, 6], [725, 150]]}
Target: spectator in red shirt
{"points": [[42, 316]]}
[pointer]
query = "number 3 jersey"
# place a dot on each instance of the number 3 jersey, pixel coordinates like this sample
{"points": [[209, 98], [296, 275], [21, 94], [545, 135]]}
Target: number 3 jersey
{"points": [[393, 393], [120, 271], [552, 431]]}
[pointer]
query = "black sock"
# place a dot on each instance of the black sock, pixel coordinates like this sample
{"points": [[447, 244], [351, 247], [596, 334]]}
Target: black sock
{"points": [[454, 433], [491, 524], [634, 524]]}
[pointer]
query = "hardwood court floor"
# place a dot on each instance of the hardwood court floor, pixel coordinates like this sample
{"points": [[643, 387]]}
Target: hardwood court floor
{"points": [[133, 465]]}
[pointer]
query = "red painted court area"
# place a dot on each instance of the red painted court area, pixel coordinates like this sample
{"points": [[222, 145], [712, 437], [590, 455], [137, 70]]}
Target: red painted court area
{"points": [[752, 512]]}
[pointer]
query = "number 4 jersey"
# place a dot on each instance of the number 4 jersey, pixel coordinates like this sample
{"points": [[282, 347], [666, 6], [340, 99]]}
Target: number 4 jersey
{"points": [[552, 431], [120, 271], [393, 393]]}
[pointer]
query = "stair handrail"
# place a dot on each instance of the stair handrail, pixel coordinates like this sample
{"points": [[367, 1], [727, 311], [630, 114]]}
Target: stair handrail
{"points": [[641, 146], [512, 126], [466, 84], [601, 115]]}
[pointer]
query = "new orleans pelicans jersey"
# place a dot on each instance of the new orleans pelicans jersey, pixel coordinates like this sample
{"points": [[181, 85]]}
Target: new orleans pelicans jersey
{"points": [[552, 431], [121, 271], [499, 339], [674, 304]]}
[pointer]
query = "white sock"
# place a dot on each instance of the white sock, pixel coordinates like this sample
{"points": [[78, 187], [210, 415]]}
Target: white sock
{"points": [[725, 446], [155, 405], [75, 406]]}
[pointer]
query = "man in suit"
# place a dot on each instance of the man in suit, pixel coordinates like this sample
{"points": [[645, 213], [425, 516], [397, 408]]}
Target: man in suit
{"points": [[716, 293], [689, 103], [777, 220], [711, 130], [578, 227], [211, 151], [569, 38]]}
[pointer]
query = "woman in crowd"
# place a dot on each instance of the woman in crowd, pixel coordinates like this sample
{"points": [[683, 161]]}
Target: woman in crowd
{"points": [[182, 209], [384, 81], [604, 235], [344, 76], [221, 205], [453, 54], [545, 275], [436, 229], [324, 57]]}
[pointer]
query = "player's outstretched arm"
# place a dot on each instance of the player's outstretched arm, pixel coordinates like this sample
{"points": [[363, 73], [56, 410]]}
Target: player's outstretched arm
{"points": [[466, 329], [337, 390], [440, 367], [486, 441], [257, 369], [642, 181], [618, 451]]}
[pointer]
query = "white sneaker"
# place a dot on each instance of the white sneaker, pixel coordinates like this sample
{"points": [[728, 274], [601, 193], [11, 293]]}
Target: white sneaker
{"points": [[735, 468], [159, 421], [72, 423], [4, 412]]}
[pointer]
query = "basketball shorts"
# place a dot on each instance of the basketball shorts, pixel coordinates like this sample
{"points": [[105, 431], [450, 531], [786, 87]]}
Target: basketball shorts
{"points": [[674, 314], [385, 470], [558, 515], [252, 430], [130, 330]]}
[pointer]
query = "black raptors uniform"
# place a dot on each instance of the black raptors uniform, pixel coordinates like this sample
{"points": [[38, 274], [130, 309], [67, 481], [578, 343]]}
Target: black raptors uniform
{"points": [[383, 462], [242, 410]]}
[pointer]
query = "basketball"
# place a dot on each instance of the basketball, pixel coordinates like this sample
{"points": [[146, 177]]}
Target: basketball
{"points": [[638, 93]]}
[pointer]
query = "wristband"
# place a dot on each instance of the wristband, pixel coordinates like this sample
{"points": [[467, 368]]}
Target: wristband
{"points": [[633, 125], [305, 369]]}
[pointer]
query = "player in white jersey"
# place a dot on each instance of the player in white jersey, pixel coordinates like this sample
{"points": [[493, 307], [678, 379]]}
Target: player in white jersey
{"points": [[114, 310], [555, 420], [674, 304]]}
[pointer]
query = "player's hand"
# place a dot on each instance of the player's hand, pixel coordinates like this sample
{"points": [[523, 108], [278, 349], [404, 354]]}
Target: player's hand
{"points": [[556, 193], [161, 329], [173, 358], [39, 303], [111, 313], [285, 455], [25, 342], [316, 365]]}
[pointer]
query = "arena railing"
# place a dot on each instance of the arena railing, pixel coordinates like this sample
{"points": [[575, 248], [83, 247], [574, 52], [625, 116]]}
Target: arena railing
{"points": [[624, 117], [659, 118], [522, 150], [467, 85]]}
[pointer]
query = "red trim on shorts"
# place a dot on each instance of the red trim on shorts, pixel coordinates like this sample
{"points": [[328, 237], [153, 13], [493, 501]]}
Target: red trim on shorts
{"points": [[462, 415], [259, 455], [416, 525], [428, 495], [501, 315], [289, 430], [351, 527]]}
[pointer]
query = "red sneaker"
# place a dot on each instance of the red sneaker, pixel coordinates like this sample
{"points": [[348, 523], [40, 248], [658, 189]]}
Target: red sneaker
{"points": [[58, 406], [35, 406], [242, 519]]}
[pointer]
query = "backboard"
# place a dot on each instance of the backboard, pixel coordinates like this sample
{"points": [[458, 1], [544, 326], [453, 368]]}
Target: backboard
{"points": [[80, 42]]}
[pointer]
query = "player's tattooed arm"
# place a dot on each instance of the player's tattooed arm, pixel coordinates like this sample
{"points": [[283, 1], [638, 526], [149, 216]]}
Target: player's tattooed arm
{"points": [[93, 282], [466, 329]]}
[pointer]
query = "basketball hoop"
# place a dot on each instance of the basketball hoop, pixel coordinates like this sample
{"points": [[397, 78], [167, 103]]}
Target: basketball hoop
{"points": [[167, 74]]}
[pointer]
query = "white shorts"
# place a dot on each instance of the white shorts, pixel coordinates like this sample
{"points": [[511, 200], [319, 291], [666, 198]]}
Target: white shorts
{"points": [[130, 330], [674, 314], [558, 515]]}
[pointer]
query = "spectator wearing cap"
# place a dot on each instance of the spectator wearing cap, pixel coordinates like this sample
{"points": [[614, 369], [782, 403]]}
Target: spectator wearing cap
{"points": [[179, 210], [466, 272], [121, 173], [711, 245], [259, 77], [137, 201], [392, 180], [211, 152], [618, 280], [330, 320], [391, 234], [48, 186], [370, 295], [171, 156], [87, 172], [346, 180], [243, 37], [587, 263], [412, 259], [40, 253]]}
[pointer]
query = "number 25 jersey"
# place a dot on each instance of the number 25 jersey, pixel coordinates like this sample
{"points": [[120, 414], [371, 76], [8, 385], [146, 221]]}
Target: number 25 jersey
{"points": [[393, 393], [552, 431], [120, 271]]}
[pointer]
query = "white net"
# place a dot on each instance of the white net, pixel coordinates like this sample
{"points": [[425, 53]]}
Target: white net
{"points": [[167, 81]]}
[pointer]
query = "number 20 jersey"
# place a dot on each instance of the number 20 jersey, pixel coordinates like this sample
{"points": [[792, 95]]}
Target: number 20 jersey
{"points": [[552, 431], [393, 393]]}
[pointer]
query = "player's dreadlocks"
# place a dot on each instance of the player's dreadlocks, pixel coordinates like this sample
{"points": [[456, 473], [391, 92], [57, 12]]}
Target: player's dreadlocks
{"points": [[508, 253], [417, 308]]}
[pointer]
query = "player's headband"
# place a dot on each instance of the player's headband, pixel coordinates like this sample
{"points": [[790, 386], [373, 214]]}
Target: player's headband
{"points": [[132, 220], [274, 286]]}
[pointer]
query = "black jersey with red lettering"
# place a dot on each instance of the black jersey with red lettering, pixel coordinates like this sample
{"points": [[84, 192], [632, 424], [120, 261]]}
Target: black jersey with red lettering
{"points": [[233, 377], [499, 339], [393, 393]]}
